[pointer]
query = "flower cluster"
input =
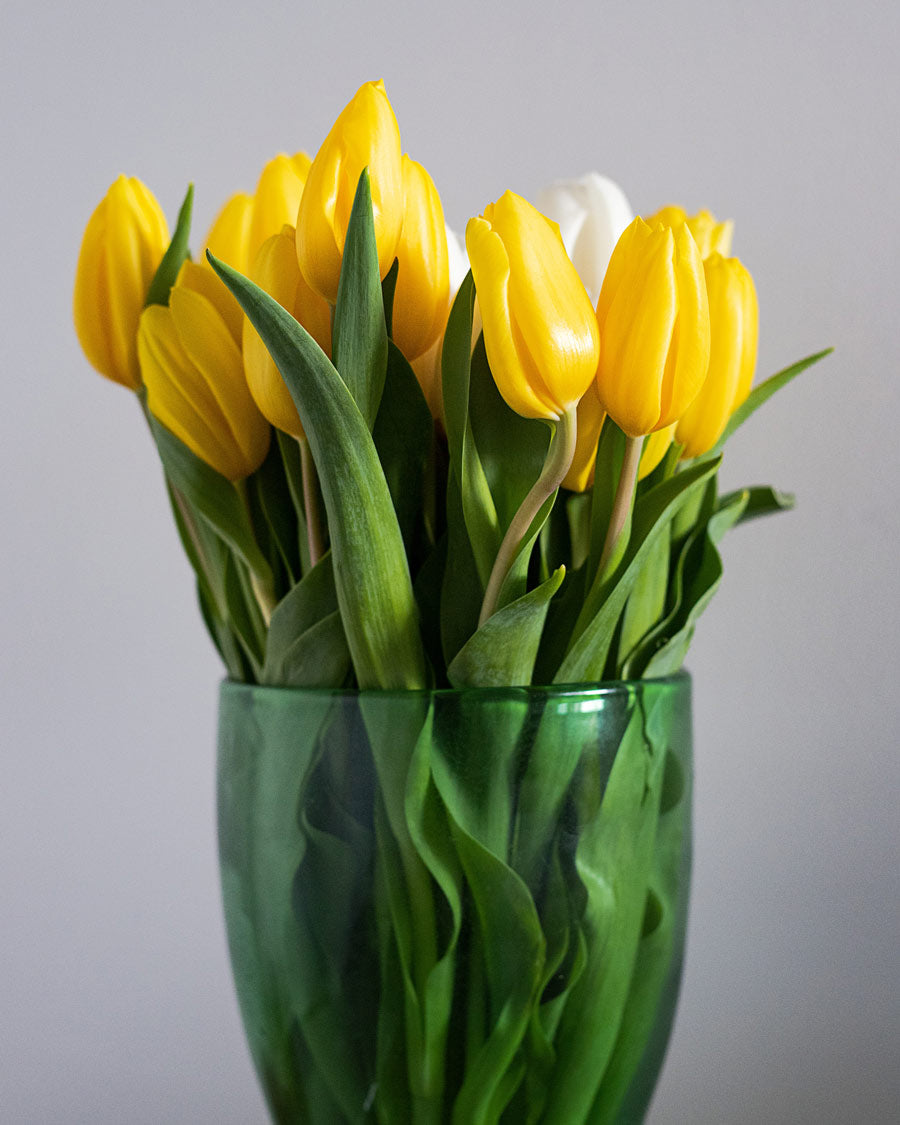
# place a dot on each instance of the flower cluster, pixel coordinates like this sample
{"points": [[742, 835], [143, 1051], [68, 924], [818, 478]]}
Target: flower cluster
{"points": [[390, 472]]}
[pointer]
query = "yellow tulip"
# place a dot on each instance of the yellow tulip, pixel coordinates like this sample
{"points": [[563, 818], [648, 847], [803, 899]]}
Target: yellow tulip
{"points": [[276, 270], [712, 237], [246, 221], [195, 384], [654, 327], [365, 135], [734, 327], [540, 331], [422, 292], [123, 244]]}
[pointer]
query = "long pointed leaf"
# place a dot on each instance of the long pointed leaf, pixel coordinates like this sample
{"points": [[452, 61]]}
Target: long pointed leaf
{"points": [[372, 576], [359, 338], [177, 251]]}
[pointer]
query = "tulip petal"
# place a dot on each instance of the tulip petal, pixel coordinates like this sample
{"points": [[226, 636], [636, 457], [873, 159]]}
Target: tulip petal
{"points": [[229, 236], [178, 396], [422, 293], [91, 299], [637, 332], [549, 306], [688, 361], [212, 350], [521, 387]]}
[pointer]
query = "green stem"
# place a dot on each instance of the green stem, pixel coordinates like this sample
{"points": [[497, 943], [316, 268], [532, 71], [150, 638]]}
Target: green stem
{"points": [[624, 497], [311, 502], [556, 465], [261, 585]]}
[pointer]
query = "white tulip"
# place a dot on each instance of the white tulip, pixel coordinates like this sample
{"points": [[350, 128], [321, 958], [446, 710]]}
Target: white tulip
{"points": [[591, 212]]}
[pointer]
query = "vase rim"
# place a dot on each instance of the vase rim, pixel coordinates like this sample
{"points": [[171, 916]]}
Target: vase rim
{"points": [[679, 680]]}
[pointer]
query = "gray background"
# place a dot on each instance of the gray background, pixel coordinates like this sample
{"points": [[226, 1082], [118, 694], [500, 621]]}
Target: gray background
{"points": [[114, 986]]}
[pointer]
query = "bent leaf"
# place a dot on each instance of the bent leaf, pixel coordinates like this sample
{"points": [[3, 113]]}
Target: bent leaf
{"points": [[503, 651], [372, 576]]}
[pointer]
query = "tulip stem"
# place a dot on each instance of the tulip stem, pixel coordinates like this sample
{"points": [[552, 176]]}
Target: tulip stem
{"points": [[311, 503], [557, 464], [621, 508]]}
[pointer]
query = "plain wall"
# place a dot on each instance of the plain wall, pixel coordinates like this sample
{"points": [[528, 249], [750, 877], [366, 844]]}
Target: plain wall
{"points": [[114, 985]]}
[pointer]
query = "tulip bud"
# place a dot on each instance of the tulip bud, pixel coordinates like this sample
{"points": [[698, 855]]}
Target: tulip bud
{"points": [[592, 212], [246, 221], [122, 247], [423, 278], [733, 326], [540, 331], [195, 384], [277, 272], [654, 327], [711, 237], [365, 135]]}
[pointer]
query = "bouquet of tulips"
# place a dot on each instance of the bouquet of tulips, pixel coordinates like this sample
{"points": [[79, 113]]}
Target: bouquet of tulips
{"points": [[371, 491], [397, 464]]}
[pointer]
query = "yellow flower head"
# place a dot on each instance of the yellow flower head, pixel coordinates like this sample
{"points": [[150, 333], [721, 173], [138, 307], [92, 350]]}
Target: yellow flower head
{"points": [[246, 221], [712, 237], [276, 270], [422, 293], [654, 327], [122, 247], [365, 135], [540, 331], [195, 383], [734, 329]]}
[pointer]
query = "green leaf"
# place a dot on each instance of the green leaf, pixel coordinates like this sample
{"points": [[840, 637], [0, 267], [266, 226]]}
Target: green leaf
{"points": [[243, 613], [289, 448], [762, 500], [403, 434], [607, 469], [705, 574], [478, 508], [306, 645], [213, 497], [512, 449], [372, 576], [270, 490], [586, 657], [175, 255], [462, 589], [359, 336], [503, 651], [388, 288], [613, 857], [763, 393], [647, 600]]}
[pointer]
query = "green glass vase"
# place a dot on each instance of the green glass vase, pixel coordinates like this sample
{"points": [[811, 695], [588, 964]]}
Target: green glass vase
{"points": [[456, 906]]}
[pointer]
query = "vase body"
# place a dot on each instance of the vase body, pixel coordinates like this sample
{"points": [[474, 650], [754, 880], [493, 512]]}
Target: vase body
{"points": [[458, 906]]}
